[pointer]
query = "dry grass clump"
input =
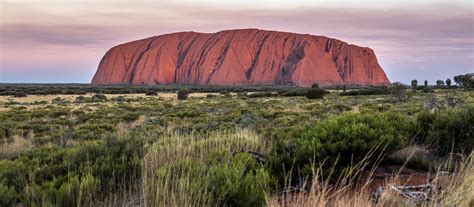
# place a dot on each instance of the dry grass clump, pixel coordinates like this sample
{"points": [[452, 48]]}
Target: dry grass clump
{"points": [[15, 147], [415, 156], [460, 192], [350, 189], [175, 169], [457, 189], [125, 127], [172, 147]]}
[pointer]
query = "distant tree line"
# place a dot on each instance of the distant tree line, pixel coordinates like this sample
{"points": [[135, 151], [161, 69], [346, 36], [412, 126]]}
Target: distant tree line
{"points": [[22, 90], [462, 81]]}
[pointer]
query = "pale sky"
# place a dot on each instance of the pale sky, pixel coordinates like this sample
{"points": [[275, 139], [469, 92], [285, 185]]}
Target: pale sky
{"points": [[63, 41]]}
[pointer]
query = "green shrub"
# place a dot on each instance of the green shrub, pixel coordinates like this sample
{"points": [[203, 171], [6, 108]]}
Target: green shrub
{"points": [[293, 92], [399, 93], [339, 141], [77, 175], [88, 189], [11, 174], [59, 100], [427, 90], [450, 131], [80, 99], [374, 107], [8, 196], [99, 96], [225, 181], [151, 93], [182, 94], [211, 96], [224, 92], [339, 108], [68, 193], [121, 99], [316, 93], [241, 182], [130, 116], [57, 112], [20, 94], [84, 134], [423, 124]]}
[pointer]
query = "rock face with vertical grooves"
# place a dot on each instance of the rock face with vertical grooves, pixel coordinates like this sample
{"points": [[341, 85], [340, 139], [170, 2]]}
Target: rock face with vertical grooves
{"points": [[239, 57]]}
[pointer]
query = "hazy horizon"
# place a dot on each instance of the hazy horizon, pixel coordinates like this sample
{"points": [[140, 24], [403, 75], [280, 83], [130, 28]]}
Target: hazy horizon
{"points": [[59, 42]]}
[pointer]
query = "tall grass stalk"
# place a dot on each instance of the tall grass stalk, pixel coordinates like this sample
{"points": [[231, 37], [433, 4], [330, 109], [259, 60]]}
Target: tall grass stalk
{"points": [[171, 166], [457, 189]]}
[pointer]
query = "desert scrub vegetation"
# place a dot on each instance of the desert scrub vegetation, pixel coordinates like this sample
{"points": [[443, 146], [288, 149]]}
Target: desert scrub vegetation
{"points": [[208, 170], [157, 150], [339, 142], [72, 176]]}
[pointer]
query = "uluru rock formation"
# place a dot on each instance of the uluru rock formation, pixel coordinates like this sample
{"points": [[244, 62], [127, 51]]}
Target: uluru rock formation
{"points": [[238, 57]]}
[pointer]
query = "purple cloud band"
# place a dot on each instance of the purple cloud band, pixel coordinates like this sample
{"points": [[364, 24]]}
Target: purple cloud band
{"points": [[436, 38]]}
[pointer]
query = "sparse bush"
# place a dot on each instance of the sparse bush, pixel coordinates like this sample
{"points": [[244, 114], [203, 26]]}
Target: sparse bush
{"points": [[339, 108], [20, 94], [211, 96], [416, 157], [99, 96], [224, 92], [80, 99], [182, 94], [130, 116], [120, 99], [398, 91], [151, 93], [316, 93], [427, 90], [59, 100]]}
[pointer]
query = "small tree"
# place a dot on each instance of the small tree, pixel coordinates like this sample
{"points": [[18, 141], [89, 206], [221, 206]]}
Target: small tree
{"points": [[414, 83], [439, 83], [316, 93], [426, 83], [398, 92], [465, 81], [182, 94], [448, 82]]}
